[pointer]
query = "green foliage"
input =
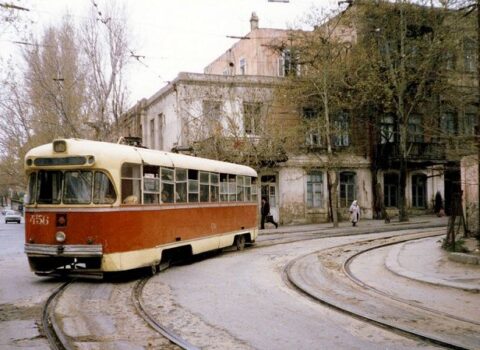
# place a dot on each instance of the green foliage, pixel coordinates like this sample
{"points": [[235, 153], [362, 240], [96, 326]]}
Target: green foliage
{"points": [[457, 246]]}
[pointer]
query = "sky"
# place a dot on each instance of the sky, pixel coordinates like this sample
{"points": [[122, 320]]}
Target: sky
{"points": [[173, 35]]}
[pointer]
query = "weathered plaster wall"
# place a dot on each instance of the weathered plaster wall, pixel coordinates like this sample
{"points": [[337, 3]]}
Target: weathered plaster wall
{"points": [[292, 196]]}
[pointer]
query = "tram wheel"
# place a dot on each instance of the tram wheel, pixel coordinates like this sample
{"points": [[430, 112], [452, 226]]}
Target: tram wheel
{"points": [[240, 242]]}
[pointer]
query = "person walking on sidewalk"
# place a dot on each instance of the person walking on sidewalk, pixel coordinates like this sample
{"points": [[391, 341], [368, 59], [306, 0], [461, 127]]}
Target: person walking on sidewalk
{"points": [[265, 214], [354, 213]]}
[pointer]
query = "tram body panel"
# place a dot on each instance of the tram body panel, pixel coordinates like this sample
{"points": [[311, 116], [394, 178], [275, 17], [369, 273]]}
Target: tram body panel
{"points": [[141, 227]]}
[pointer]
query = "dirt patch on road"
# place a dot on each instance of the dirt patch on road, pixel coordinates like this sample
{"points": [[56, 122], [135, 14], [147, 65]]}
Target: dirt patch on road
{"points": [[10, 312]]}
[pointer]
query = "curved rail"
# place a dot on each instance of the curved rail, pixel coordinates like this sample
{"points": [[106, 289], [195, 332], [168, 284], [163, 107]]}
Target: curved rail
{"points": [[152, 322], [349, 274], [56, 338], [328, 296]]}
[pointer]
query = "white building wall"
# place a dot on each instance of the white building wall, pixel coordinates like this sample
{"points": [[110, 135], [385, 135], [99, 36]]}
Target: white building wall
{"points": [[292, 190], [163, 111]]}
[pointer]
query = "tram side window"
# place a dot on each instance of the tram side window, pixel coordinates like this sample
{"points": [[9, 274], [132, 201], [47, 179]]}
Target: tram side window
{"points": [[32, 188], [131, 183], [168, 185], [232, 188], [180, 185], [224, 187], [254, 190], [247, 187], [151, 184], [77, 187], [49, 187], [240, 189], [103, 190], [204, 187], [214, 191], [193, 185]]}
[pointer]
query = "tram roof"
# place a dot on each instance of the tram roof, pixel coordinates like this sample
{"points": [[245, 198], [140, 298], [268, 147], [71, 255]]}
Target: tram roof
{"points": [[117, 154]]}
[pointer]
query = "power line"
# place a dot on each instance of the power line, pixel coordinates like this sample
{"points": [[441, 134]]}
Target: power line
{"points": [[13, 7]]}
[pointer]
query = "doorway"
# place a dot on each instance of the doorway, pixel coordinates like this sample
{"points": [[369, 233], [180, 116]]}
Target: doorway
{"points": [[269, 191]]}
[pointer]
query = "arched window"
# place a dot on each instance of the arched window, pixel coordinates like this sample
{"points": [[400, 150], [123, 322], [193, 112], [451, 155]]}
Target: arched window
{"points": [[419, 191], [390, 190], [347, 189]]}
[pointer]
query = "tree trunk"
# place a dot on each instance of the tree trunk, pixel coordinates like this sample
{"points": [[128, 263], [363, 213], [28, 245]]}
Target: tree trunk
{"points": [[332, 179], [402, 205]]}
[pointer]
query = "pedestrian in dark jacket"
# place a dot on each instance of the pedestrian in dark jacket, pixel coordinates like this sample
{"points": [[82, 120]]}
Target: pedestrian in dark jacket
{"points": [[265, 213]]}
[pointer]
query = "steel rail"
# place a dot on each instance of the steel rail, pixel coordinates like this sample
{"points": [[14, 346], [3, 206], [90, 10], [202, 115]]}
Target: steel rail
{"points": [[375, 321], [348, 272], [52, 330], [152, 322], [319, 233]]}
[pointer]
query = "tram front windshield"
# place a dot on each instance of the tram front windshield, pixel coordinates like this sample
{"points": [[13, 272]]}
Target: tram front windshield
{"points": [[70, 187]]}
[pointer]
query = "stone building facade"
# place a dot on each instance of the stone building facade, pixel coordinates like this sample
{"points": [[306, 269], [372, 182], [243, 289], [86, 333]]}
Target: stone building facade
{"points": [[185, 112]]}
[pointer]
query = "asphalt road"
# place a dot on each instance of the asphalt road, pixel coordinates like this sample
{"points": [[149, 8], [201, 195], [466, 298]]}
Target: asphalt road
{"points": [[241, 300], [22, 294]]}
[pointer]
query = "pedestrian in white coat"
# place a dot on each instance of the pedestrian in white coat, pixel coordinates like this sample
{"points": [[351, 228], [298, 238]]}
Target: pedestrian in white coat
{"points": [[354, 213]]}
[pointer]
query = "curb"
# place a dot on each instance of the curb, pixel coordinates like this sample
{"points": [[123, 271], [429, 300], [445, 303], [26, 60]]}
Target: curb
{"points": [[464, 258], [393, 265]]}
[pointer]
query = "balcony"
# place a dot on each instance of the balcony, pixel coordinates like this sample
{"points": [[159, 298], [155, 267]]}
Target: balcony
{"points": [[417, 152]]}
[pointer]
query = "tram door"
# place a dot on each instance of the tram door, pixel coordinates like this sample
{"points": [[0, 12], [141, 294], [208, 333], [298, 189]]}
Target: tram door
{"points": [[269, 190]]}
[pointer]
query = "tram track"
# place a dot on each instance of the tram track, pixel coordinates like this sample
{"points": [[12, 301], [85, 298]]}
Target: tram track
{"points": [[52, 330], [313, 234], [58, 339], [337, 287], [348, 272], [154, 323]]}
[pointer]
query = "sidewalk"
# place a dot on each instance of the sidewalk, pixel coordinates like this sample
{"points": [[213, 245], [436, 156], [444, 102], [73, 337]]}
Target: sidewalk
{"points": [[423, 260], [364, 226]]}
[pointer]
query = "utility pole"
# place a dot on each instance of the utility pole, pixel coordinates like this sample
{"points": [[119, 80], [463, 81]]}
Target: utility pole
{"points": [[477, 129]]}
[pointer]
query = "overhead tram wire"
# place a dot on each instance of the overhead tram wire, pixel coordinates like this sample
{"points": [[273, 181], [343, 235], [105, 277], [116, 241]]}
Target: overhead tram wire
{"points": [[139, 58]]}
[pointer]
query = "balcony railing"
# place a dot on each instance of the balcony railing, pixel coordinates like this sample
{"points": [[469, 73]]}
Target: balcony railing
{"points": [[416, 151]]}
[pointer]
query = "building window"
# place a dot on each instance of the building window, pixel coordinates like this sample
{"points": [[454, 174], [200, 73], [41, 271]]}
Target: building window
{"points": [[313, 139], [151, 126], [347, 189], [160, 131], [341, 130], [288, 64], [315, 189], [252, 113], [419, 188], [312, 135], [390, 190], [212, 114], [415, 128], [448, 123], [387, 129], [469, 55], [470, 123], [450, 61], [243, 66]]}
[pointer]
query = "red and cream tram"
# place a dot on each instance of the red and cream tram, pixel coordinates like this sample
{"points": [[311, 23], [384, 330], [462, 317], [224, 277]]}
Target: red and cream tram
{"points": [[96, 207]]}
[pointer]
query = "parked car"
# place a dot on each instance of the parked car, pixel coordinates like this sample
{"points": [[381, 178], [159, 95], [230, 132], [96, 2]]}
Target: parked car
{"points": [[12, 216]]}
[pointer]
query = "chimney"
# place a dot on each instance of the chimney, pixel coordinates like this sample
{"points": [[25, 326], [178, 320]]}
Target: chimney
{"points": [[254, 21]]}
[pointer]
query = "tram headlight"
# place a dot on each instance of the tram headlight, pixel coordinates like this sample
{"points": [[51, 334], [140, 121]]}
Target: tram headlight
{"points": [[60, 236]]}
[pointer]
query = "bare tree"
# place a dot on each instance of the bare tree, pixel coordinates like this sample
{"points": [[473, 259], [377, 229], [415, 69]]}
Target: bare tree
{"points": [[55, 84], [105, 37], [234, 123], [72, 86], [320, 83]]}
